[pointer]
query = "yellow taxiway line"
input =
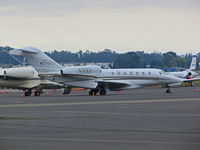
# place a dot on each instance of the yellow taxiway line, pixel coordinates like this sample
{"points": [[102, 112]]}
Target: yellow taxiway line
{"points": [[100, 140], [99, 102]]}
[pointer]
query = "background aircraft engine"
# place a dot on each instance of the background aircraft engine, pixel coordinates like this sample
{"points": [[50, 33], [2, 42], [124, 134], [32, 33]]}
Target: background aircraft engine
{"points": [[189, 74], [22, 72], [82, 70]]}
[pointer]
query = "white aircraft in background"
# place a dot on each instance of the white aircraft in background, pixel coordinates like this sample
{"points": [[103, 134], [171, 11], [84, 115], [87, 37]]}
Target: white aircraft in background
{"points": [[25, 78], [188, 72], [93, 77]]}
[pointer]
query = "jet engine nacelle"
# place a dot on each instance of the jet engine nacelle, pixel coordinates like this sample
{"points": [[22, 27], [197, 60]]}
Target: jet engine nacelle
{"points": [[189, 74], [22, 72], [192, 74], [82, 70]]}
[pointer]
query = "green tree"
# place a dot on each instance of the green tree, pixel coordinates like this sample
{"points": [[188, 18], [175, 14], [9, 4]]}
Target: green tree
{"points": [[127, 60]]}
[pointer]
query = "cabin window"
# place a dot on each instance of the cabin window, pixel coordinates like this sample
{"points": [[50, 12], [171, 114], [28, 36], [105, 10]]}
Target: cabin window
{"points": [[143, 73], [113, 73], [149, 73], [118, 73], [131, 73], [124, 73], [137, 73]]}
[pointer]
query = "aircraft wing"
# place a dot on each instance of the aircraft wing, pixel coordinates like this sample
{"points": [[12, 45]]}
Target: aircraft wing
{"points": [[46, 84], [75, 77], [189, 80], [118, 84], [27, 84]]}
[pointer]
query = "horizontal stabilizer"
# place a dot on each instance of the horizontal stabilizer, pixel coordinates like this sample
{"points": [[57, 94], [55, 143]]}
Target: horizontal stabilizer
{"points": [[22, 50]]}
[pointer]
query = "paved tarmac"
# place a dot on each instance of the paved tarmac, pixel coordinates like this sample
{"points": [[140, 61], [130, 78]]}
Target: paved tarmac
{"points": [[141, 119]]}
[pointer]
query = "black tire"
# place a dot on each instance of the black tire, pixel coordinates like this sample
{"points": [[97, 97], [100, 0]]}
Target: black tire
{"points": [[66, 91], [168, 91], [28, 93], [91, 92], [94, 91], [37, 93], [102, 92]]}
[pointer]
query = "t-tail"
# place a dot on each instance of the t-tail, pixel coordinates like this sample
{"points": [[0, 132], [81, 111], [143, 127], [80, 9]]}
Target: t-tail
{"points": [[39, 60], [193, 63]]}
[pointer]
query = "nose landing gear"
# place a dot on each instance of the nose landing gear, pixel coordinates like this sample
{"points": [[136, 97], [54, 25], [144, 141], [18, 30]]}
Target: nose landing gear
{"points": [[168, 89]]}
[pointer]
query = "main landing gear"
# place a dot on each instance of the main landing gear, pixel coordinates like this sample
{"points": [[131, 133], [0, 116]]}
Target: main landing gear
{"points": [[37, 93], [67, 90], [102, 91], [93, 92], [29, 91]]}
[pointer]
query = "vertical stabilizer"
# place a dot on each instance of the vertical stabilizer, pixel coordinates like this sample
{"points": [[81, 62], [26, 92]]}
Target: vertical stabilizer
{"points": [[39, 60], [193, 63]]}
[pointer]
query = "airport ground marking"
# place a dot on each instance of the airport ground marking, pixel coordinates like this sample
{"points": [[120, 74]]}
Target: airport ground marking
{"points": [[98, 103], [100, 140]]}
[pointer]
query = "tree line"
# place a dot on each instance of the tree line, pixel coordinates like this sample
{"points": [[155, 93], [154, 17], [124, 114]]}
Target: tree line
{"points": [[132, 59]]}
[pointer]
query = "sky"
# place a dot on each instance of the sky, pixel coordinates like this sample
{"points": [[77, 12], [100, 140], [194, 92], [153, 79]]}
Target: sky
{"points": [[95, 25]]}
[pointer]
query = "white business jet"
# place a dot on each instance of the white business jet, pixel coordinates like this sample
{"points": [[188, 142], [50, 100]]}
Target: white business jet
{"points": [[25, 78], [93, 77], [187, 72]]}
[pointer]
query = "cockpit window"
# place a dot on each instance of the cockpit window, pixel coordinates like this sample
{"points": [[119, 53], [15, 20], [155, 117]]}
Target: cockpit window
{"points": [[163, 73]]}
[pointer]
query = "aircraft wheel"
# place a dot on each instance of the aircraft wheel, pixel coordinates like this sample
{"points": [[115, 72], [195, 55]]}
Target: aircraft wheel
{"points": [[66, 90], [37, 93], [94, 91], [28, 93], [168, 91], [102, 92]]}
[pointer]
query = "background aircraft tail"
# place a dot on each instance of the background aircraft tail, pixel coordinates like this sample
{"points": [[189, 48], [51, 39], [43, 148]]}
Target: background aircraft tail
{"points": [[39, 60], [193, 63]]}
